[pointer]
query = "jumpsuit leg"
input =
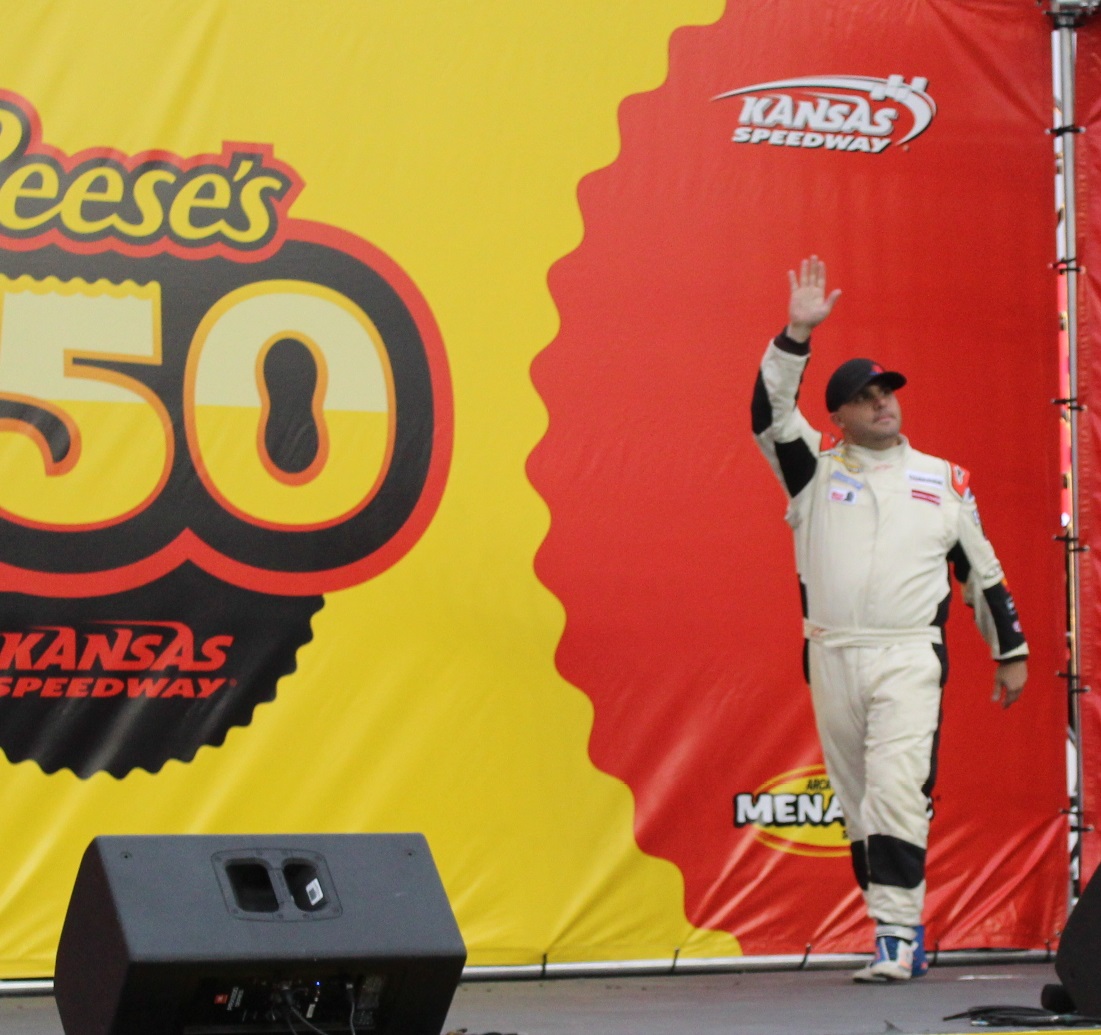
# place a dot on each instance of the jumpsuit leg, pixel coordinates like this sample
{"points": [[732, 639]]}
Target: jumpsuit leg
{"points": [[877, 710], [839, 714]]}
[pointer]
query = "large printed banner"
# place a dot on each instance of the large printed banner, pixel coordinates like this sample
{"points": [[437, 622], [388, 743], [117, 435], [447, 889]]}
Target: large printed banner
{"points": [[922, 175], [375, 452]]}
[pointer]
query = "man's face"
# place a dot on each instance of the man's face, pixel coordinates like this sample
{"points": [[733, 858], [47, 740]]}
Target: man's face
{"points": [[872, 418]]}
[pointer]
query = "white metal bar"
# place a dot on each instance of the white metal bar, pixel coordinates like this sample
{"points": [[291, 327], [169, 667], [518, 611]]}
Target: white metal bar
{"points": [[671, 967], [739, 964], [1066, 16]]}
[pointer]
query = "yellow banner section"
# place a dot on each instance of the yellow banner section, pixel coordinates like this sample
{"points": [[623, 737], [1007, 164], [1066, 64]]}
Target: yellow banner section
{"points": [[451, 136]]}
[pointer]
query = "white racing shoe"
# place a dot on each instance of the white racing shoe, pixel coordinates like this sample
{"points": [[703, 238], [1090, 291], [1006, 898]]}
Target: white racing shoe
{"points": [[899, 955]]}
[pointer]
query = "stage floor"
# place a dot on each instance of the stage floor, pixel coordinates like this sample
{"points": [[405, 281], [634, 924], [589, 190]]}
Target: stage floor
{"points": [[809, 1002], [812, 1002]]}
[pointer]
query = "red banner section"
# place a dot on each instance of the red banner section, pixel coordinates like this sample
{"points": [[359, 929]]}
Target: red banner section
{"points": [[907, 149], [1088, 154]]}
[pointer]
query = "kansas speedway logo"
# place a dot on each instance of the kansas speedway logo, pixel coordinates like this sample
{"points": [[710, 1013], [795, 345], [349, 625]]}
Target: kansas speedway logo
{"points": [[855, 114], [795, 812], [211, 414]]}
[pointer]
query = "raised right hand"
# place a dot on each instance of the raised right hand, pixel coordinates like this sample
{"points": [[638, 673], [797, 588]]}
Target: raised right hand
{"points": [[810, 304]]}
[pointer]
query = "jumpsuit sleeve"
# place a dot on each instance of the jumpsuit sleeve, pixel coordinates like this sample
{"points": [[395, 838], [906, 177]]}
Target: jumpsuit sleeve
{"points": [[985, 589], [785, 436]]}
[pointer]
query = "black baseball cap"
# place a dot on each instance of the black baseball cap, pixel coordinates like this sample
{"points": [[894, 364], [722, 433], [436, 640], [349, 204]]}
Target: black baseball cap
{"points": [[854, 375]]}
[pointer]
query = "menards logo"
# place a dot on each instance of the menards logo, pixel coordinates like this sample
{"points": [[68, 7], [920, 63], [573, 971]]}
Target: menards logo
{"points": [[795, 812], [834, 112]]}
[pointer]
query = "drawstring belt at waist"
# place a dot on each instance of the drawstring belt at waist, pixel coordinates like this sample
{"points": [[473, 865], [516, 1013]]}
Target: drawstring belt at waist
{"points": [[869, 637]]}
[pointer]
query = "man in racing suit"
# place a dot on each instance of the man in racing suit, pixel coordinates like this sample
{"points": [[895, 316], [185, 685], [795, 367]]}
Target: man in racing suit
{"points": [[876, 525]]}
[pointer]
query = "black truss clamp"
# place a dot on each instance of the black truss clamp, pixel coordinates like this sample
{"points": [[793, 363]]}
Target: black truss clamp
{"points": [[1065, 266], [1069, 16], [1074, 686], [1071, 542]]}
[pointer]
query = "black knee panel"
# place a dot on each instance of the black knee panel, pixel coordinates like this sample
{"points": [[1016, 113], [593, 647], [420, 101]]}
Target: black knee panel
{"points": [[895, 862]]}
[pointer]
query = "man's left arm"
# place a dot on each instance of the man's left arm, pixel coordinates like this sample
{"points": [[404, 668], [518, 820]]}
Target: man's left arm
{"points": [[986, 591]]}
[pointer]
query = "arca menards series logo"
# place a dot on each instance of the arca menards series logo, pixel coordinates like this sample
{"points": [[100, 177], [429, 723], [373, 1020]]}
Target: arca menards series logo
{"points": [[795, 812], [833, 112], [211, 413]]}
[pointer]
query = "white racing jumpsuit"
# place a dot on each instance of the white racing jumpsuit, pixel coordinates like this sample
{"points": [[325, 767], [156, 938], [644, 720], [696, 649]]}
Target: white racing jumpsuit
{"points": [[875, 532]]}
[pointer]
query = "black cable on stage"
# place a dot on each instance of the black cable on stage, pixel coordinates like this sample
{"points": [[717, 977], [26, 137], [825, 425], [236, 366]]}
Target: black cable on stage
{"points": [[1023, 1016], [350, 988], [289, 1010], [467, 1031]]}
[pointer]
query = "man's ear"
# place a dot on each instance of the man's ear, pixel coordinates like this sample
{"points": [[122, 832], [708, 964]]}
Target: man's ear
{"points": [[836, 418]]}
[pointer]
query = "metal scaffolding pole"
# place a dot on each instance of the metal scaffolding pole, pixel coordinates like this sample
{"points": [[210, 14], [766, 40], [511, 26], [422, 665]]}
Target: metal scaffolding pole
{"points": [[1066, 16]]}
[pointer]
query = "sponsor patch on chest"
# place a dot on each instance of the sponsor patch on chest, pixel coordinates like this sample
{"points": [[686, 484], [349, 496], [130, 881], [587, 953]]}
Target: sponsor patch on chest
{"points": [[925, 478], [925, 496], [838, 494], [846, 479]]}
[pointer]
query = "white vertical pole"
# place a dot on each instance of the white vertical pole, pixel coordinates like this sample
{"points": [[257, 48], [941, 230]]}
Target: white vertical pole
{"points": [[1065, 17]]}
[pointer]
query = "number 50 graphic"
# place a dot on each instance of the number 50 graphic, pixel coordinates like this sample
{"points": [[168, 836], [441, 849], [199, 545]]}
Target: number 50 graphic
{"points": [[285, 424]]}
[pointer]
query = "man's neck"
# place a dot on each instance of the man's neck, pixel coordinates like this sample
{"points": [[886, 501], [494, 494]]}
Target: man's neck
{"points": [[877, 446]]}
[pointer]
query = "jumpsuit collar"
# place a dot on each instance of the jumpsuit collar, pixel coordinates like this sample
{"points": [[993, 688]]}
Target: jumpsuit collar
{"points": [[862, 457]]}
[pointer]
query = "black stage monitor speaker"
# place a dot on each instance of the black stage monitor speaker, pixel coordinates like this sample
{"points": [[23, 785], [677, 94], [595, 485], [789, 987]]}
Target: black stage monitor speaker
{"points": [[243, 935], [1078, 961]]}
